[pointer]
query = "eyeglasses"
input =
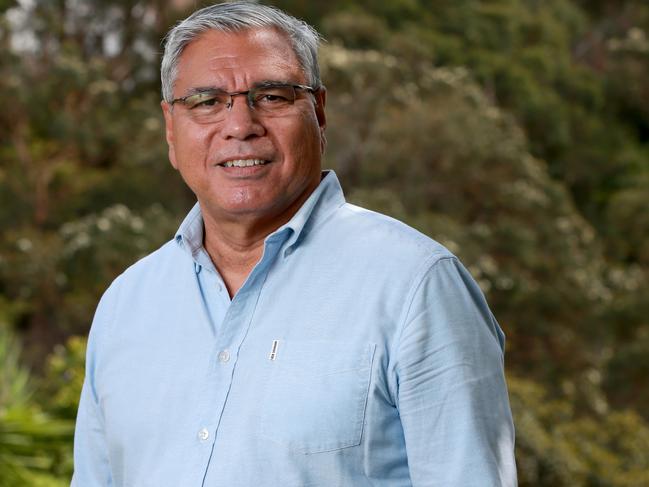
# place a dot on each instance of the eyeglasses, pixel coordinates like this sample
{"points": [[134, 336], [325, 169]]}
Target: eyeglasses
{"points": [[268, 99]]}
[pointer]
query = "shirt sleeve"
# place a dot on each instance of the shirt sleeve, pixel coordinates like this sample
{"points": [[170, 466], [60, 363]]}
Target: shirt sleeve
{"points": [[452, 396], [91, 464], [91, 458]]}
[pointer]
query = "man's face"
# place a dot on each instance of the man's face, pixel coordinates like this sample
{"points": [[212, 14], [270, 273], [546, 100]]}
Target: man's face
{"points": [[291, 145]]}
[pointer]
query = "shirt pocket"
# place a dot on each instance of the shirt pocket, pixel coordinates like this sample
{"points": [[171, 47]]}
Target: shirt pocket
{"points": [[316, 395]]}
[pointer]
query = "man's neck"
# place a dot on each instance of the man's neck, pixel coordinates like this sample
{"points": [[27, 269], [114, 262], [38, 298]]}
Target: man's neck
{"points": [[235, 243], [234, 249]]}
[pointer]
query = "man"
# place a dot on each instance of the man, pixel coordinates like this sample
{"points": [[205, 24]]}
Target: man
{"points": [[284, 337]]}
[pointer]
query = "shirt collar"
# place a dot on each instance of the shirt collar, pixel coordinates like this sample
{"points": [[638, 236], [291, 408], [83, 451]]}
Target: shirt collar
{"points": [[321, 203]]}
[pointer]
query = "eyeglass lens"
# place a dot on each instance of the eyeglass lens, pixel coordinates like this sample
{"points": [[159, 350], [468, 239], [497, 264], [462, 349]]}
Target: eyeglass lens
{"points": [[212, 106]]}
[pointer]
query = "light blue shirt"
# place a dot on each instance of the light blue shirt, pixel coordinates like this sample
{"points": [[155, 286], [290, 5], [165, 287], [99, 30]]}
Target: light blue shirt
{"points": [[358, 352]]}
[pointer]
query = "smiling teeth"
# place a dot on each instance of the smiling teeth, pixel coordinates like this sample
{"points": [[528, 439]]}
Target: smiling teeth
{"points": [[244, 163]]}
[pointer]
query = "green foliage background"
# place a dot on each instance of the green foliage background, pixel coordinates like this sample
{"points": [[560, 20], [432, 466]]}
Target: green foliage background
{"points": [[516, 132]]}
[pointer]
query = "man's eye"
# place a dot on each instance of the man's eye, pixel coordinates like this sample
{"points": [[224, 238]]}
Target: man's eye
{"points": [[274, 96], [270, 98], [203, 100]]}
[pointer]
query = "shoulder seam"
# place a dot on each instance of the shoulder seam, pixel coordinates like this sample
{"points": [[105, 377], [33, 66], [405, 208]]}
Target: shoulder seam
{"points": [[432, 261]]}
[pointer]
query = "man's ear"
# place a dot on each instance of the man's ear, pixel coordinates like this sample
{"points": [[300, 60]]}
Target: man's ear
{"points": [[321, 101], [169, 131]]}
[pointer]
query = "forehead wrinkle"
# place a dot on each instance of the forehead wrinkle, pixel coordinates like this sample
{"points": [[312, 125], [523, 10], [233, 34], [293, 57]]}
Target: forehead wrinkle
{"points": [[239, 80], [234, 66]]}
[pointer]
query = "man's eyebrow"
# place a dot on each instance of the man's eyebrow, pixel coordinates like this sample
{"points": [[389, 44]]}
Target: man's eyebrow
{"points": [[203, 89], [269, 83]]}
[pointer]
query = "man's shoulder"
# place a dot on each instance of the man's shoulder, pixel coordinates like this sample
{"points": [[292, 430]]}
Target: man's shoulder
{"points": [[154, 266], [384, 234], [165, 255], [136, 283], [369, 243]]}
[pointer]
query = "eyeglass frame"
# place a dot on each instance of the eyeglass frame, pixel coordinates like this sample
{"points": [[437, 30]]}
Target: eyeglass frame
{"points": [[250, 100]]}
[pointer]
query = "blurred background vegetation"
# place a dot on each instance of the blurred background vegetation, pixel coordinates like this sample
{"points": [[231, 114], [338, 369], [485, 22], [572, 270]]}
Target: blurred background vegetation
{"points": [[515, 132]]}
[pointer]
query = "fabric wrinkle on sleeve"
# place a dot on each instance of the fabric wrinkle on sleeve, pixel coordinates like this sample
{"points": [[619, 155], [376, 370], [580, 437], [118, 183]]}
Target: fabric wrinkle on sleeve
{"points": [[452, 396]]}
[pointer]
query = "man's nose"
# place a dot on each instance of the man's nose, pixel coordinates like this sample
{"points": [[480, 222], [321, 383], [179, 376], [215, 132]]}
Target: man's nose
{"points": [[241, 121]]}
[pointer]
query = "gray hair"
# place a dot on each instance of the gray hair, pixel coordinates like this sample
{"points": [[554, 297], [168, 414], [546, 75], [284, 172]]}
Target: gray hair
{"points": [[235, 17]]}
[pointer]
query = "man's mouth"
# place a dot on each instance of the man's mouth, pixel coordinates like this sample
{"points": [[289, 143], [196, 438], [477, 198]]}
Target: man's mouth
{"points": [[244, 163]]}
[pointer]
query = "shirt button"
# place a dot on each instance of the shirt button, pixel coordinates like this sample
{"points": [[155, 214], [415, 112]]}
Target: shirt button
{"points": [[203, 434], [224, 356]]}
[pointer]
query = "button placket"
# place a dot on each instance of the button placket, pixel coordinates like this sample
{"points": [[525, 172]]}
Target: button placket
{"points": [[230, 334]]}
